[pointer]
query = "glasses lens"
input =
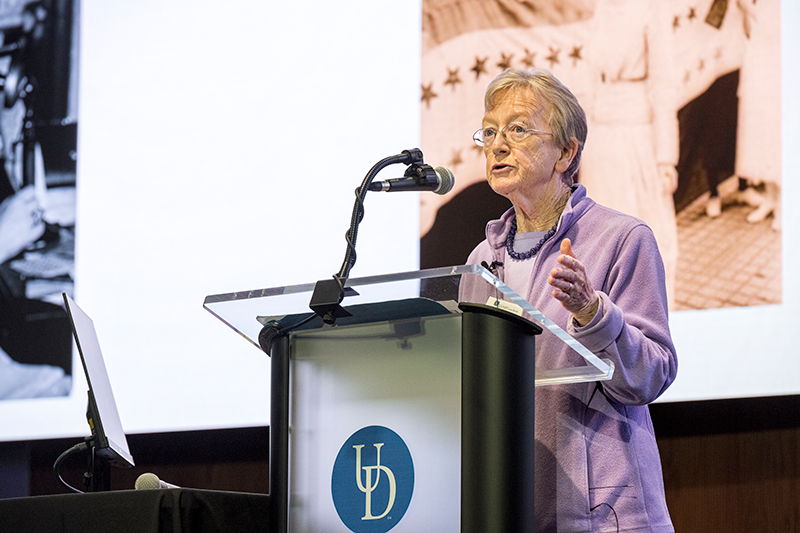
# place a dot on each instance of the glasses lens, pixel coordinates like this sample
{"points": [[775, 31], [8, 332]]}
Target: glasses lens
{"points": [[478, 137], [516, 132]]}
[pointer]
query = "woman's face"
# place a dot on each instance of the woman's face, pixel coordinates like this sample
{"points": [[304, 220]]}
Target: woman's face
{"points": [[525, 169]]}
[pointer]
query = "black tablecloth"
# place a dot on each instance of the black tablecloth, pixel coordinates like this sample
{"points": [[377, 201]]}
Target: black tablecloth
{"points": [[142, 511]]}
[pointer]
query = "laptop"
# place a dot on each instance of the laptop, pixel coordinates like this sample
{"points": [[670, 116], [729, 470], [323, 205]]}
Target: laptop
{"points": [[108, 437]]}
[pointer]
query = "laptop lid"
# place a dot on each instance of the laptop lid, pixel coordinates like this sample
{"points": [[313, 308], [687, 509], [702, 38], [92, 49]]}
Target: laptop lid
{"points": [[110, 441]]}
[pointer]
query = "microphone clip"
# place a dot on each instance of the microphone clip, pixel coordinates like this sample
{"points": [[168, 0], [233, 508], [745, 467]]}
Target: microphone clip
{"points": [[493, 267], [422, 174]]}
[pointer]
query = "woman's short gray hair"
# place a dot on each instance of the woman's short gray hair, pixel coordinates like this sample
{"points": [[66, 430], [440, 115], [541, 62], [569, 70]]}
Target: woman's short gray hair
{"points": [[567, 118]]}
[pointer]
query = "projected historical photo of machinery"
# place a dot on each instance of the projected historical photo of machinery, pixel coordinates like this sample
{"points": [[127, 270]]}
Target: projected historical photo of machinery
{"points": [[38, 142]]}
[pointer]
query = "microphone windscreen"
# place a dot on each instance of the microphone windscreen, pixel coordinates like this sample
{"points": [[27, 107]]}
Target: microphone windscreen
{"points": [[147, 481], [446, 180]]}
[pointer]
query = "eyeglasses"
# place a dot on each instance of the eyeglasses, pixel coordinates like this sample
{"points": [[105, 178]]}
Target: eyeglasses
{"points": [[513, 132]]}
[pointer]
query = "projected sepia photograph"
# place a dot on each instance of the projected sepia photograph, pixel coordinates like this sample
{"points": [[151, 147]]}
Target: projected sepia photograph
{"points": [[683, 107]]}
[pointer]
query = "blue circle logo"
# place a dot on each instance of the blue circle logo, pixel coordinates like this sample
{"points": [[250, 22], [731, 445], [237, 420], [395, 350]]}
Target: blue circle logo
{"points": [[373, 480]]}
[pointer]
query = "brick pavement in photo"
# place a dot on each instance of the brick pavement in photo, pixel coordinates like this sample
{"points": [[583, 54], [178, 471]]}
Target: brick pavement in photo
{"points": [[726, 261]]}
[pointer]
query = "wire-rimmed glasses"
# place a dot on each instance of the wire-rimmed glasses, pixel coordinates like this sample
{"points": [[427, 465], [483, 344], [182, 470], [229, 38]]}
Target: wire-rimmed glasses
{"points": [[515, 133]]}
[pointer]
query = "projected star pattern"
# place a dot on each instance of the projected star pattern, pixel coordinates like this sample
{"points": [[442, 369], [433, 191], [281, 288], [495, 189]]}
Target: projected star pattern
{"points": [[557, 57]]}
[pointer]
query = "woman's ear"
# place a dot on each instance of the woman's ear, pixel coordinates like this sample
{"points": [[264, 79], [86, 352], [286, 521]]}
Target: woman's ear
{"points": [[567, 155]]}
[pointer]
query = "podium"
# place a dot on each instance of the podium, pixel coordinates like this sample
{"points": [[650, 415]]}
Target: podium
{"points": [[413, 411]]}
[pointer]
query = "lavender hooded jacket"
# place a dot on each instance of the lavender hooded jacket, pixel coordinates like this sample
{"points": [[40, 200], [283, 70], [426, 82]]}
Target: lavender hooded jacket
{"points": [[595, 447]]}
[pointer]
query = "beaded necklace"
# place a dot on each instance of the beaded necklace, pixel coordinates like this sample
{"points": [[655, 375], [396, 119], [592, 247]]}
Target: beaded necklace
{"points": [[533, 251]]}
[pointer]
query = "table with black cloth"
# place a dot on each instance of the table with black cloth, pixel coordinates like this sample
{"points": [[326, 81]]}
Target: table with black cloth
{"points": [[137, 511]]}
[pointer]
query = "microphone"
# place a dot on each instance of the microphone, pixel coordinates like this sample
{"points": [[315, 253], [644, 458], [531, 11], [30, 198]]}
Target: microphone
{"points": [[149, 481], [422, 178]]}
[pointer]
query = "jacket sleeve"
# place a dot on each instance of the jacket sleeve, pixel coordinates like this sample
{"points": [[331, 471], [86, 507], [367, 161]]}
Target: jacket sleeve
{"points": [[632, 328]]}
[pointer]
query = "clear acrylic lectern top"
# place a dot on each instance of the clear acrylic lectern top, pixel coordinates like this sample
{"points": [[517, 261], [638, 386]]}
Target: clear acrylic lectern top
{"points": [[397, 296]]}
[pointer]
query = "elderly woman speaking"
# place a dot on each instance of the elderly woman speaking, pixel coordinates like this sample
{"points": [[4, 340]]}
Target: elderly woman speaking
{"points": [[599, 275]]}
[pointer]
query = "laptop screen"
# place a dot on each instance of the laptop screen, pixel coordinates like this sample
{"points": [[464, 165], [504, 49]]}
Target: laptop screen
{"points": [[110, 440]]}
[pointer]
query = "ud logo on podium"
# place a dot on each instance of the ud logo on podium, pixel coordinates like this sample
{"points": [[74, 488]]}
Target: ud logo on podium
{"points": [[373, 480]]}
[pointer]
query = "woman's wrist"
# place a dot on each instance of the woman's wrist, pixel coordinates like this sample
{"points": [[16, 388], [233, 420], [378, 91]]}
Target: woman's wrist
{"points": [[586, 313]]}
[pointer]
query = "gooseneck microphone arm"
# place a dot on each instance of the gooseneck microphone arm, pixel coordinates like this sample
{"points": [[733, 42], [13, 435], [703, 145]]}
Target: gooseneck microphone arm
{"points": [[407, 157], [328, 294]]}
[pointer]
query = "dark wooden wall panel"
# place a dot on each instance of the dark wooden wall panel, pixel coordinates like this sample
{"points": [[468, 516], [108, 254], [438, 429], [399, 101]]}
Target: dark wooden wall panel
{"points": [[734, 481], [731, 465]]}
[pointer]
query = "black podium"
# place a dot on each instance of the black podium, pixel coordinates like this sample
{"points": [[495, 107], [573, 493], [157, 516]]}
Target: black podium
{"points": [[414, 411], [137, 511]]}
